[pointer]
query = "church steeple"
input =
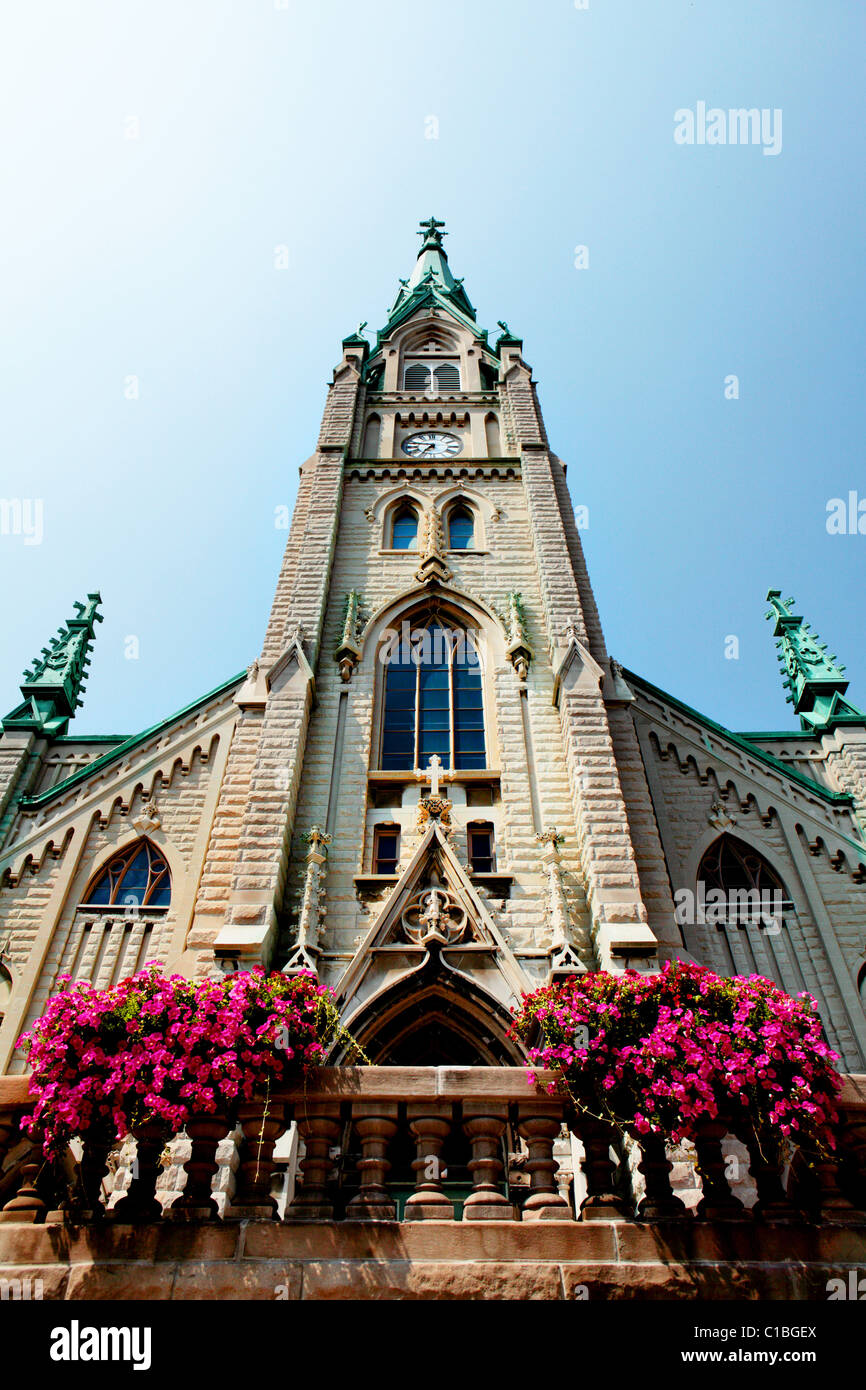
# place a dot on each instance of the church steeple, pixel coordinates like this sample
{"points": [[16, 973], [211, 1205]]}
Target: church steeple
{"points": [[52, 687], [431, 282], [815, 680]]}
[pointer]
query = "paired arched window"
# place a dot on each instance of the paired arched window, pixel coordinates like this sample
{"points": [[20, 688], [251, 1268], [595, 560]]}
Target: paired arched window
{"points": [[138, 876], [433, 701], [423, 376], [461, 528], [404, 528]]}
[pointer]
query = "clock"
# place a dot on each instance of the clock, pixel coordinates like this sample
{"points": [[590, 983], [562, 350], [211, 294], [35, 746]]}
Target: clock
{"points": [[431, 444]]}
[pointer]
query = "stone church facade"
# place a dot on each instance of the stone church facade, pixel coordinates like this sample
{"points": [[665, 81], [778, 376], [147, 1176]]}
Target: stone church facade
{"points": [[433, 786]]}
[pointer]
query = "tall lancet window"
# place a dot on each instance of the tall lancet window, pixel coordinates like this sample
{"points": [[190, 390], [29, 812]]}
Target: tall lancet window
{"points": [[434, 702]]}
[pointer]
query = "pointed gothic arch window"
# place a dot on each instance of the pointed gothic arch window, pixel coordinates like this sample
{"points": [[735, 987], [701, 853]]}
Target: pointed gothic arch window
{"points": [[746, 879], [404, 528], [433, 701], [139, 876], [461, 528], [749, 915]]}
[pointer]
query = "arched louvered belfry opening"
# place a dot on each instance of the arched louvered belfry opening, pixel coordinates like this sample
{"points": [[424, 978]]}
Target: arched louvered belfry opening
{"points": [[138, 876]]}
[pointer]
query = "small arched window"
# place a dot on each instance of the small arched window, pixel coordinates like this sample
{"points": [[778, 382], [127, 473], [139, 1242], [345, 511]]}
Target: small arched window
{"points": [[137, 876], [461, 528], [404, 528], [371, 437]]}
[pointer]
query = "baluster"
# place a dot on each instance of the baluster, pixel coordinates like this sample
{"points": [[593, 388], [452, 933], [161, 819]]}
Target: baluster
{"points": [[91, 1171], [539, 1124], [853, 1154], [601, 1202], [262, 1124], [376, 1124], [483, 1125], [430, 1124], [773, 1202], [319, 1127], [196, 1202], [718, 1202], [27, 1205], [139, 1203], [833, 1205], [8, 1128], [660, 1202]]}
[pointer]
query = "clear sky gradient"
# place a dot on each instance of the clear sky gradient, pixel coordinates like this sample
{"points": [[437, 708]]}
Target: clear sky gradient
{"points": [[307, 126]]}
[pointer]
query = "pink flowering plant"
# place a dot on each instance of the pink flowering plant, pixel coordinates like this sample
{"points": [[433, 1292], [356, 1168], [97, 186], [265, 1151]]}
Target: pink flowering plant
{"points": [[663, 1053], [163, 1047]]}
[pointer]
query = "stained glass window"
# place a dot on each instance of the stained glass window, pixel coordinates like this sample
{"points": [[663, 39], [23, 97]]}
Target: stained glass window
{"points": [[434, 703], [139, 875]]}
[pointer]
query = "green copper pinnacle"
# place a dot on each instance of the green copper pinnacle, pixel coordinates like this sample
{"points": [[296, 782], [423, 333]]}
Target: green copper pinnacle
{"points": [[815, 680], [54, 682]]}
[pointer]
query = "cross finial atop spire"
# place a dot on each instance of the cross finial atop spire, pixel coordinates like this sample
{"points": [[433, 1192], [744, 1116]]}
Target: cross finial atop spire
{"points": [[430, 231]]}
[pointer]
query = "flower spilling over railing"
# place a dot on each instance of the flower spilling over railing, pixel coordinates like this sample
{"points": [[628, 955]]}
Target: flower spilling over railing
{"points": [[164, 1048], [663, 1054]]}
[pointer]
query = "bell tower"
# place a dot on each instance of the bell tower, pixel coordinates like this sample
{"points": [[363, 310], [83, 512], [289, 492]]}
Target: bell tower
{"points": [[434, 789]]}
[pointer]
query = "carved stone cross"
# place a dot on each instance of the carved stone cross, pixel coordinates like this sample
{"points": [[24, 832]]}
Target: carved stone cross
{"points": [[433, 767]]}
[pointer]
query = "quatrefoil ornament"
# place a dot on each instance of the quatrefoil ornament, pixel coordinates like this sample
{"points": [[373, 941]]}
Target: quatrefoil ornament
{"points": [[433, 916]]}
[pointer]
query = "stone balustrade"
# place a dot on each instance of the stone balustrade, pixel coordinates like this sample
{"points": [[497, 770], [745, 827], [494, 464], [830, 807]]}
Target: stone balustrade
{"points": [[433, 1144]]}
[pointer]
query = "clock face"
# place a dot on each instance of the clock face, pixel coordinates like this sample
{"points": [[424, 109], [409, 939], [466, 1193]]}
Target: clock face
{"points": [[432, 444]]}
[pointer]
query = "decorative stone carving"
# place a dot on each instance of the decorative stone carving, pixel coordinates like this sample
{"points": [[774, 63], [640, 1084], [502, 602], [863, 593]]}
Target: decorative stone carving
{"points": [[303, 957], [564, 959], [349, 649], [433, 566], [433, 915], [436, 808], [719, 817], [433, 807], [519, 652], [149, 818]]}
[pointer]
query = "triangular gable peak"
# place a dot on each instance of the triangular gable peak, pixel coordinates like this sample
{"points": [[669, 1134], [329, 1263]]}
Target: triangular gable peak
{"points": [[434, 913]]}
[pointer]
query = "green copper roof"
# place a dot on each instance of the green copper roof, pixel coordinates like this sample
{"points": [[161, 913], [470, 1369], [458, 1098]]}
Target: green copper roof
{"points": [[33, 803], [431, 283], [816, 681], [53, 687], [739, 741]]}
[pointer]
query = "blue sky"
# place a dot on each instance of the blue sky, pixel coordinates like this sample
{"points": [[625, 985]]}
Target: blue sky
{"points": [[306, 127]]}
